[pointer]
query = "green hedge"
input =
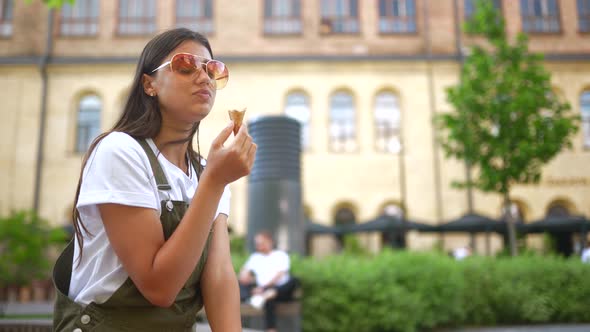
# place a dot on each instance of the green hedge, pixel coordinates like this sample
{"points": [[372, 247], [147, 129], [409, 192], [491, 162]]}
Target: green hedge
{"points": [[408, 291]]}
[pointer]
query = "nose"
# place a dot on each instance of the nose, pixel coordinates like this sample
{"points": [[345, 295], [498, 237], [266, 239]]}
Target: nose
{"points": [[202, 77]]}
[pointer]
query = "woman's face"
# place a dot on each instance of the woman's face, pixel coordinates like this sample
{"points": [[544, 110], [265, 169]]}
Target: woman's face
{"points": [[184, 98]]}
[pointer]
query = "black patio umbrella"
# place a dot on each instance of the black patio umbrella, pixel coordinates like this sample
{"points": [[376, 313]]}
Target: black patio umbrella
{"points": [[558, 224], [474, 223], [384, 223], [314, 228]]}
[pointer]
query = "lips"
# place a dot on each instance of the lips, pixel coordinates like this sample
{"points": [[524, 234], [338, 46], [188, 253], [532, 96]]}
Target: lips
{"points": [[203, 93]]}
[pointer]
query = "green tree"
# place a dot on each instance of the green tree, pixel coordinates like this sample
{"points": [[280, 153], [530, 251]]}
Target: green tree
{"points": [[508, 122], [55, 3]]}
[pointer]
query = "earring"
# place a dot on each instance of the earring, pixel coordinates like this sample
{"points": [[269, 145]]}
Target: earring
{"points": [[153, 94]]}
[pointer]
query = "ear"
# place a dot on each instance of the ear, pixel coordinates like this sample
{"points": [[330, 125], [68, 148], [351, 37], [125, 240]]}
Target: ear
{"points": [[148, 85]]}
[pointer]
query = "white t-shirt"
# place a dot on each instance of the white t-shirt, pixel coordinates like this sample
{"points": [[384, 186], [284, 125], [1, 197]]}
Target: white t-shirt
{"points": [[586, 255], [266, 267], [119, 171]]}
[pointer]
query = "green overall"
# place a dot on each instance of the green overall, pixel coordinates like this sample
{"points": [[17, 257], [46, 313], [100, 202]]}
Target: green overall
{"points": [[127, 309]]}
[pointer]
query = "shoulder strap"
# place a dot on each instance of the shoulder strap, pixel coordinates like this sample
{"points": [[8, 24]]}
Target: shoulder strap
{"points": [[197, 166], [161, 180]]}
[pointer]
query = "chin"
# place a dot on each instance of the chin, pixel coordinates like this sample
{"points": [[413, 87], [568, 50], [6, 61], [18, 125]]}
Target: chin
{"points": [[198, 113]]}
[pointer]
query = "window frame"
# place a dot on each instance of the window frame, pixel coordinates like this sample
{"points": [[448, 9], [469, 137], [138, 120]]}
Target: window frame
{"points": [[467, 16], [393, 18], [343, 140], [298, 19], [585, 119], [329, 20], [304, 147], [585, 17], [7, 21], [143, 33], [78, 110], [377, 130], [200, 19], [60, 21], [544, 17]]}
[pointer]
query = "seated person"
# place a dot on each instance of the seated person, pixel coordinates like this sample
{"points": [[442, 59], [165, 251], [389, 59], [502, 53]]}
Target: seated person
{"points": [[264, 279]]}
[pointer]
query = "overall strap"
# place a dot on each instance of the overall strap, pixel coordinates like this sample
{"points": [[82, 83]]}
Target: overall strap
{"points": [[161, 180], [197, 166]]}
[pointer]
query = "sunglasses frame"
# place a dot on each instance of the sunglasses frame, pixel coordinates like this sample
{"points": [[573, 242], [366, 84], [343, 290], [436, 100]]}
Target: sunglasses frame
{"points": [[205, 62]]}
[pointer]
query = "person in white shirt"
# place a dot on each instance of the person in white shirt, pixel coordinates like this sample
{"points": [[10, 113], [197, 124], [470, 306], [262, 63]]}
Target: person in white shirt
{"points": [[586, 254], [265, 279], [151, 240]]}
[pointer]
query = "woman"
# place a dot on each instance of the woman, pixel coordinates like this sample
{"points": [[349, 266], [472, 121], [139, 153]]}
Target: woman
{"points": [[151, 245]]}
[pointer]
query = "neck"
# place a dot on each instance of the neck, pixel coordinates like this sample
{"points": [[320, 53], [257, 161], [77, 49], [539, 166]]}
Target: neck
{"points": [[175, 153]]}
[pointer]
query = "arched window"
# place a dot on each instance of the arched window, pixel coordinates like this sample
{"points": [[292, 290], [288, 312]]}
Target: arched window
{"points": [[585, 110], [342, 123], [392, 210], [558, 210], [393, 239], [514, 209], [88, 126], [297, 107], [344, 216], [387, 123]]}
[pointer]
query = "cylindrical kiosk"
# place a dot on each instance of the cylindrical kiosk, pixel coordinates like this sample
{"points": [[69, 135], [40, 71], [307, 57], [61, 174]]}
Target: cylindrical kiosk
{"points": [[274, 186]]}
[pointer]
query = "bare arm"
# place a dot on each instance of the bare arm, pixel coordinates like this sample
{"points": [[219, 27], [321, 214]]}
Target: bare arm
{"points": [[274, 280], [160, 268], [219, 284]]}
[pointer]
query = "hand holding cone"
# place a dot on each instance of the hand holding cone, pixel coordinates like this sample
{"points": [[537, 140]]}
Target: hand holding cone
{"points": [[237, 117]]}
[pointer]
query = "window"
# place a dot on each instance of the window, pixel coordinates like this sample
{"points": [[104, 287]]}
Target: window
{"points": [[585, 110], [88, 121], [137, 17], [397, 16], [79, 18], [387, 123], [539, 16], [196, 15], [342, 123], [297, 107], [391, 238], [470, 7], [584, 15], [339, 16], [343, 216], [6, 8], [282, 17]]}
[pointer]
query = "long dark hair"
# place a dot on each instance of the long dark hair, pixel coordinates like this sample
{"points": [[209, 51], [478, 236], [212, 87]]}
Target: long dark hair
{"points": [[141, 117]]}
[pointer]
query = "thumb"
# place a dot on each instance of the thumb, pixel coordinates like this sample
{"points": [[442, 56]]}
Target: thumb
{"points": [[223, 135]]}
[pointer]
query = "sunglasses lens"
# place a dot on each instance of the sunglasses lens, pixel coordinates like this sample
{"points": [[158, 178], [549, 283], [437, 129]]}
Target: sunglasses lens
{"points": [[184, 64], [218, 71], [188, 64]]}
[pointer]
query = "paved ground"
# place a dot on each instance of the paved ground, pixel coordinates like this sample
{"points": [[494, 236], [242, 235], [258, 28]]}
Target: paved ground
{"points": [[534, 328]]}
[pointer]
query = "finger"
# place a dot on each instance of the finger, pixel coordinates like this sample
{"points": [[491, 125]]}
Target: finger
{"points": [[241, 137], [223, 135], [246, 145], [252, 154]]}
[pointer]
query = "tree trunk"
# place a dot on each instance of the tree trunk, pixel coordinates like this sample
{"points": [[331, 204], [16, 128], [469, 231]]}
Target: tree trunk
{"points": [[511, 225]]}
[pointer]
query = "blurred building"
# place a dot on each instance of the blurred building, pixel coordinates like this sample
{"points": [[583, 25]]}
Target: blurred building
{"points": [[364, 77]]}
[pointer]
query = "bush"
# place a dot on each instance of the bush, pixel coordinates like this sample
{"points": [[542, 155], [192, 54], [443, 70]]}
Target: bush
{"points": [[404, 291], [25, 242]]}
